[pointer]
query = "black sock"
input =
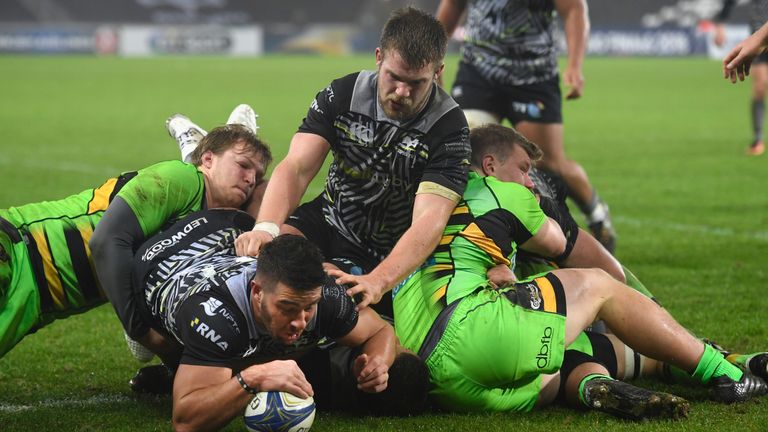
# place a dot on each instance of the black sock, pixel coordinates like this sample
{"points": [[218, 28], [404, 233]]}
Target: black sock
{"points": [[758, 112]]}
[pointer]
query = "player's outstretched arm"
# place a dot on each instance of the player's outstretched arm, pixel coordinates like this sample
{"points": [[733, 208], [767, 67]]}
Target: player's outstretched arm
{"points": [[112, 246], [209, 397], [287, 185], [379, 344], [737, 63], [430, 215]]}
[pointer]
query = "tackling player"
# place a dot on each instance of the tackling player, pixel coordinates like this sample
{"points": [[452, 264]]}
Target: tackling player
{"points": [[449, 313], [46, 262]]}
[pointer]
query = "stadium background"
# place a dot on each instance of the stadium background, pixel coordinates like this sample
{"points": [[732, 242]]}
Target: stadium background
{"points": [[85, 88]]}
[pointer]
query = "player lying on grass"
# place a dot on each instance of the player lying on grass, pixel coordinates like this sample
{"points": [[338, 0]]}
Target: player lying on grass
{"points": [[46, 263], [241, 320], [518, 347]]}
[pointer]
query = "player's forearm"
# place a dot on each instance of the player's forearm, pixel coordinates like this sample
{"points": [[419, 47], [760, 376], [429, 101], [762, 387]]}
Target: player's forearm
{"points": [[449, 13], [410, 252], [283, 194], [576, 27], [112, 246], [209, 408], [382, 344]]}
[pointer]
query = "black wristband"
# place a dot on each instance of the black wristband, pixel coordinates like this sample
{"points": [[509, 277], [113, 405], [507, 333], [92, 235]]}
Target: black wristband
{"points": [[245, 386]]}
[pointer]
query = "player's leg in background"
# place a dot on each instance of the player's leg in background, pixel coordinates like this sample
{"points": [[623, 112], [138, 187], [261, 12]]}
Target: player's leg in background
{"points": [[651, 330], [759, 74], [549, 136]]}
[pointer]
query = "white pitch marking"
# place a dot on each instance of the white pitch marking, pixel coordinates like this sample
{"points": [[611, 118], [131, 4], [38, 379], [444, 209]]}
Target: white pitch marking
{"points": [[695, 229], [66, 402]]}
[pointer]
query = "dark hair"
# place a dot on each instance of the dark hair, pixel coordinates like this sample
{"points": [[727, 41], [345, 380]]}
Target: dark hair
{"points": [[292, 260], [222, 138], [499, 140], [407, 389], [417, 36]]}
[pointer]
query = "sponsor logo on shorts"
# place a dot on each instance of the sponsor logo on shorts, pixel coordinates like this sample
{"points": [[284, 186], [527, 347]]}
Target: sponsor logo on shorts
{"points": [[542, 358], [531, 109], [160, 246], [534, 297]]}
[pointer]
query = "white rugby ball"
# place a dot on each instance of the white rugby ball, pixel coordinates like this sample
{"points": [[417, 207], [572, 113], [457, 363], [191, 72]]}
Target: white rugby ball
{"points": [[274, 411]]}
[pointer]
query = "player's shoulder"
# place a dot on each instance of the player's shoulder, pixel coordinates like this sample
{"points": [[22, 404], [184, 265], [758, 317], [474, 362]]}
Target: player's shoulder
{"points": [[212, 321]]}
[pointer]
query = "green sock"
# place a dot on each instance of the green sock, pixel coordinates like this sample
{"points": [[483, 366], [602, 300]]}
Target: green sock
{"points": [[584, 381], [713, 365]]}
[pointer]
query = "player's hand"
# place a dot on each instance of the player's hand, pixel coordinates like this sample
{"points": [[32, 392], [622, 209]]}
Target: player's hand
{"points": [[250, 243], [278, 375], [365, 289], [737, 63], [574, 82], [501, 276], [372, 373]]}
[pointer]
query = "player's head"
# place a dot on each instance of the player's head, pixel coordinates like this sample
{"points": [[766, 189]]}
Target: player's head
{"points": [[409, 58], [234, 162], [407, 389], [286, 288], [502, 152]]}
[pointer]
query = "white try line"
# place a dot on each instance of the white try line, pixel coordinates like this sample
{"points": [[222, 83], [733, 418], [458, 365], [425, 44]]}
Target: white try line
{"points": [[704, 230], [93, 401]]}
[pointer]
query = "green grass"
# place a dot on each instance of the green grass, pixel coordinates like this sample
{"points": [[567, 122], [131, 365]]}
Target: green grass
{"points": [[662, 139]]}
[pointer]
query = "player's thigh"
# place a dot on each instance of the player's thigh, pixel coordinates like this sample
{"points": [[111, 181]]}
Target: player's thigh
{"points": [[511, 335], [585, 291], [548, 136]]}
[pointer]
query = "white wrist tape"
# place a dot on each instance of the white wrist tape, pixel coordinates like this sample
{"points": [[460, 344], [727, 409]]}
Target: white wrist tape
{"points": [[267, 227]]}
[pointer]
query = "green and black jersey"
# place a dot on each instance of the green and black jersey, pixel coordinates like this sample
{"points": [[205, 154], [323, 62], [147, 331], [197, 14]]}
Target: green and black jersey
{"points": [[57, 233], [484, 230]]}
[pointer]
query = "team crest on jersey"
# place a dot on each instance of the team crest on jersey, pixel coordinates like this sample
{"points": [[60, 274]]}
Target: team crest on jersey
{"points": [[207, 332], [210, 306]]}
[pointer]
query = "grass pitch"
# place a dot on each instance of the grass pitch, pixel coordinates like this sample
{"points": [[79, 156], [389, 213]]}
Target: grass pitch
{"points": [[662, 139]]}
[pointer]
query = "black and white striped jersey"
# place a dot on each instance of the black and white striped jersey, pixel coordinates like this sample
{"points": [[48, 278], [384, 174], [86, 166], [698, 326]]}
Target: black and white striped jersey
{"points": [[378, 163]]}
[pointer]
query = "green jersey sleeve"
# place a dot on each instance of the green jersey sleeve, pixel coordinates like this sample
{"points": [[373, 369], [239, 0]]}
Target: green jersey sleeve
{"points": [[518, 200], [163, 193]]}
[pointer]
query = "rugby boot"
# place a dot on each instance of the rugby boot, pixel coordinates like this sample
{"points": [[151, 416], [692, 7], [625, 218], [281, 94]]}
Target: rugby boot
{"points": [[155, 379], [756, 149], [601, 226], [726, 390], [244, 115], [634, 403], [187, 134]]}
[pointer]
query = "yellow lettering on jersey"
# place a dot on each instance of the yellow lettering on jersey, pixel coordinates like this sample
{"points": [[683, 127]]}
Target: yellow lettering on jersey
{"points": [[547, 294], [100, 199], [55, 286]]}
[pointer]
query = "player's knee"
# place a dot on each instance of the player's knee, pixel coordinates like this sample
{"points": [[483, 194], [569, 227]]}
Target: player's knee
{"points": [[477, 118]]}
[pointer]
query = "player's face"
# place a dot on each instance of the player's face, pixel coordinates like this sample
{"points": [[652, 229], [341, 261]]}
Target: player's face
{"points": [[515, 168], [402, 90], [232, 175], [285, 312]]}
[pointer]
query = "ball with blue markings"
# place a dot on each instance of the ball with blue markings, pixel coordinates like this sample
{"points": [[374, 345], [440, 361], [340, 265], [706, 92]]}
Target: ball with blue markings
{"points": [[274, 411]]}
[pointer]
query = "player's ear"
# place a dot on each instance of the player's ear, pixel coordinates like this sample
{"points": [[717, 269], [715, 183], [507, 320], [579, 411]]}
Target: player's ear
{"points": [[439, 71], [489, 165], [256, 290], [379, 57], [206, 160]]}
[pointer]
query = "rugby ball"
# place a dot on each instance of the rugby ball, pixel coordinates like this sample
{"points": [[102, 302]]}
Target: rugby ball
{"points": [[274, 411]]}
